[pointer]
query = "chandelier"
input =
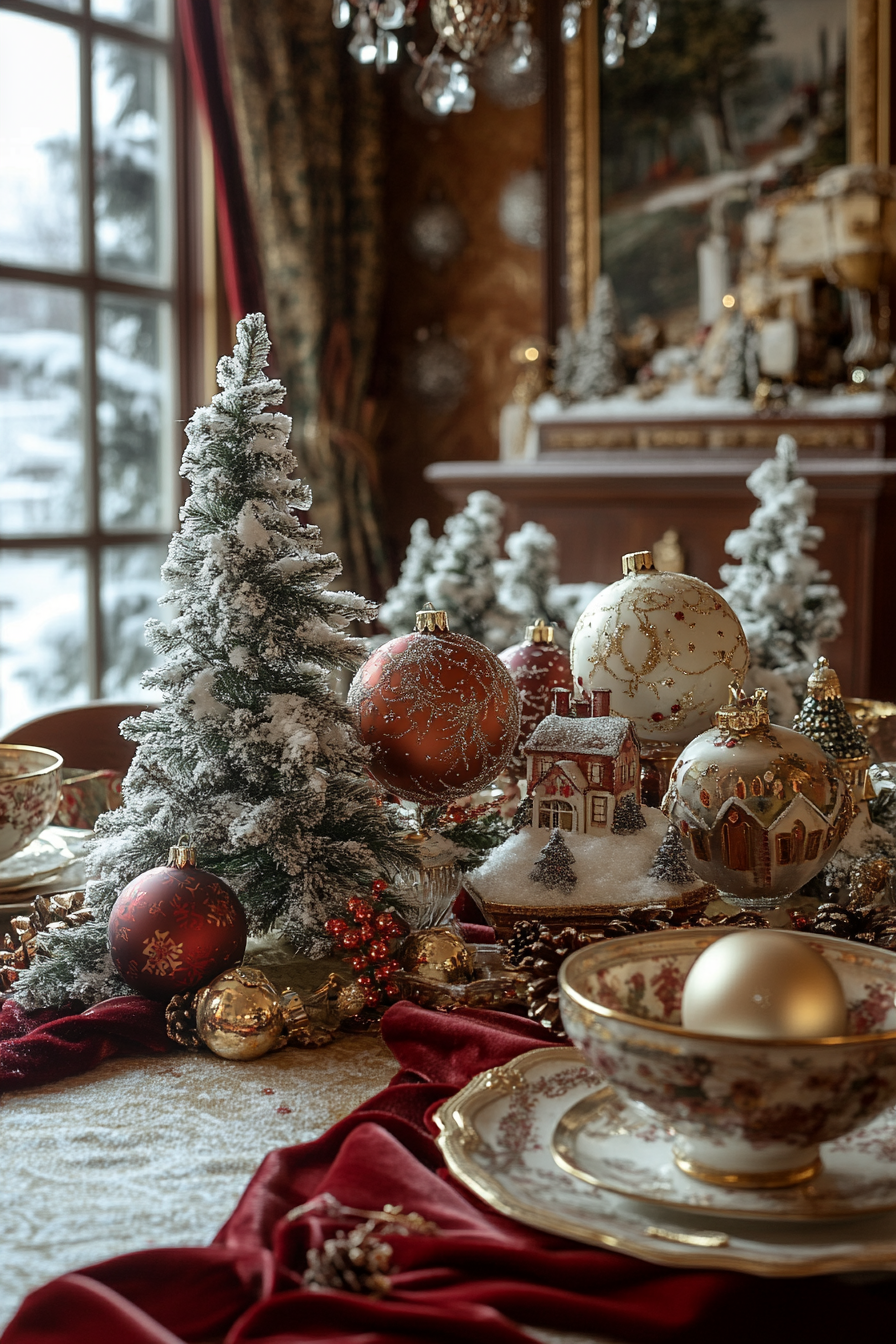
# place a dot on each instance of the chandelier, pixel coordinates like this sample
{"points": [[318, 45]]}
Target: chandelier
{"points": [[467, 29]]}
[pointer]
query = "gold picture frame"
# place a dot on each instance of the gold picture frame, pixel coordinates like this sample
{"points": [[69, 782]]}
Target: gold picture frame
{"points": [[868, 123]]}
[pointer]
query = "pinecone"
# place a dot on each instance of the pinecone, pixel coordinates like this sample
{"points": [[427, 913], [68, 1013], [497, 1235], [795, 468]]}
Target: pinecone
{"points": [[351, 1262], [522, 940], [543, 963], [63, 910], [180, 1021]]}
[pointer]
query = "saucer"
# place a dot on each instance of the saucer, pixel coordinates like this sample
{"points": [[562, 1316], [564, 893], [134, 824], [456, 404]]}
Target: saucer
{"points": [[54, 850], [607, 1143], [496, 1140]]}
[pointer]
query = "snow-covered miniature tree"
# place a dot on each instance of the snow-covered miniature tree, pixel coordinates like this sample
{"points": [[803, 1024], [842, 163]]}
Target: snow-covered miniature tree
{"points": [[408, 596], [739, 359], [785, 602], [670, 862], [554, 867], [486, 595], [250, 751], [627, 816], [463, 582], [529, 575], [588, 364]]}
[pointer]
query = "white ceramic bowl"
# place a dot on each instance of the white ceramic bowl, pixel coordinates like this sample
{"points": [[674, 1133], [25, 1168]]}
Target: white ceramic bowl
{"points": [[745, 1112], [30, 789]]}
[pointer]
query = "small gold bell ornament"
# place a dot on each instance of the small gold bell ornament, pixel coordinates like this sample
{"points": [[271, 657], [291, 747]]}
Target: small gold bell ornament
{"points": [[761, 808], [240, 1014]]}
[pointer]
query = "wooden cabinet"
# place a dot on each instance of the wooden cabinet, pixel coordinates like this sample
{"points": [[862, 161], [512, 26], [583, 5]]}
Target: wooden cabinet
{"points": [[603, 501]]}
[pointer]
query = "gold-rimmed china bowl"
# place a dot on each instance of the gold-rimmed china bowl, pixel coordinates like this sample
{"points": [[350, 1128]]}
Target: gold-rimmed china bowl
{"points": [[30, 789], [748, 1113]]}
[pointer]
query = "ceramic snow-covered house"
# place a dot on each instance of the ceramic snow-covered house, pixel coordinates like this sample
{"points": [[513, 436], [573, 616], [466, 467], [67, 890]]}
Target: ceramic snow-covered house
{"points": [[579, 769]]}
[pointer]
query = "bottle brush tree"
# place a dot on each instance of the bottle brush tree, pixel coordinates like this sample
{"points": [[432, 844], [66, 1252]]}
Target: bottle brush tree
{"points": [[553, 868], [670, 863], [250, 750]]}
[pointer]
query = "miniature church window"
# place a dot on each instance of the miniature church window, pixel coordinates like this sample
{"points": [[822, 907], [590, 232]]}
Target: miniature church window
{"points": [[699, 845], [598, 811], [813, 841], [555, 813]]}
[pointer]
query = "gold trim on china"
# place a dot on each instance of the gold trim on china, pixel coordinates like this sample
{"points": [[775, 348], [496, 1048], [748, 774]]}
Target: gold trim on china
{"points": [[458, 1138], [755, 1180], [867, 118], [563, 1152], [12, 748], [702, 941]]}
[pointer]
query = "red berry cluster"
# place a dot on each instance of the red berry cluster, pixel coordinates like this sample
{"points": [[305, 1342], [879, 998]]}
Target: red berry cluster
{"points": [[365, 935]]}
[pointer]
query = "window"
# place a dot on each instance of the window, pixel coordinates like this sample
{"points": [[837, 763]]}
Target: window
{"points": [[599, 810], [93, 143], [813, 843], [552, 812]]}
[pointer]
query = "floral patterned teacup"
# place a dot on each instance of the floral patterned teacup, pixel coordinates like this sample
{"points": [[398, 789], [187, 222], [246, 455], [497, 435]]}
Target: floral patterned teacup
{"points": [[30, 789], [744, 1112]]}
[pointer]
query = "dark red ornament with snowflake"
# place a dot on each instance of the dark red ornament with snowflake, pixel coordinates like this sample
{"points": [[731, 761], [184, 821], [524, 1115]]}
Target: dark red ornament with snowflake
{"points": [[175, 928]]}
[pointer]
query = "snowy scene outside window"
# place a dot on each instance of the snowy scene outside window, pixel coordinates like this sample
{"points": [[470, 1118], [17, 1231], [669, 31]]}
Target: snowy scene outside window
{"points": [[88, 310]]}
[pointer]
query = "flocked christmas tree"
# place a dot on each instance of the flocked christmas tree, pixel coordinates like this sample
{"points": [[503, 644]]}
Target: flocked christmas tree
{"points": [[587, 364], [408, 596], [670, 862], [785, 602], [553, 869], [627, 816], [463, 581], [528, 577], [486, 596], [250, 750]]}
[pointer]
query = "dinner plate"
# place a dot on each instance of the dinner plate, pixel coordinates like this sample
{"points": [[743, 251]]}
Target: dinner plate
{"points": [[495, 1136], [607, 1143]]}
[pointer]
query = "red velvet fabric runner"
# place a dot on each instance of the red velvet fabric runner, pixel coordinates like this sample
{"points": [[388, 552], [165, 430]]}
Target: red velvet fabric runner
{"points": [[43, 1047], [483, 1277]]}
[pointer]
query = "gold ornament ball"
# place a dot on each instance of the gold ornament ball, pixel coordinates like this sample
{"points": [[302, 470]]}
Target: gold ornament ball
{"points": [[239, 1015], [765, 984], [440, 955]]}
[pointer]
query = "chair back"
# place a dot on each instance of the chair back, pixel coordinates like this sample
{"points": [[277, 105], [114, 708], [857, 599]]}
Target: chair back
{"points": [[85, 736]]}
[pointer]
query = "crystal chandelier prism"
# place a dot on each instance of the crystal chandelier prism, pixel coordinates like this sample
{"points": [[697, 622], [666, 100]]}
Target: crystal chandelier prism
{"points": [[467, 29]]}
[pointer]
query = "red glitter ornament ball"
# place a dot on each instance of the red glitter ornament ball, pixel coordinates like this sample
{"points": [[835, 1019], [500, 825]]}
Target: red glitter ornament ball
{"points": [[537, 666], [175, 928], [439, 711]]}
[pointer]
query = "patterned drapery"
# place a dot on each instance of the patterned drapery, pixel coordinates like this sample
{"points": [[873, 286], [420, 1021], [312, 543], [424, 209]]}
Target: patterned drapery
{"points": [[308, 119]]}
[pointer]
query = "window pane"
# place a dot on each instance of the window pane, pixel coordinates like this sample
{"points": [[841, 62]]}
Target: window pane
{"points": [[39, 143], [132, 161], [41, 412], [129, 595], [43, 624], [150, 16], [133, 412]]}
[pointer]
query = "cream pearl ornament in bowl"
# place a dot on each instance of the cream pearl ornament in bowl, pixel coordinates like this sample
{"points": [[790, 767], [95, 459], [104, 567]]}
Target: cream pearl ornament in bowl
{"points": [[764, 984], [745, 1111], [667, 646]]}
